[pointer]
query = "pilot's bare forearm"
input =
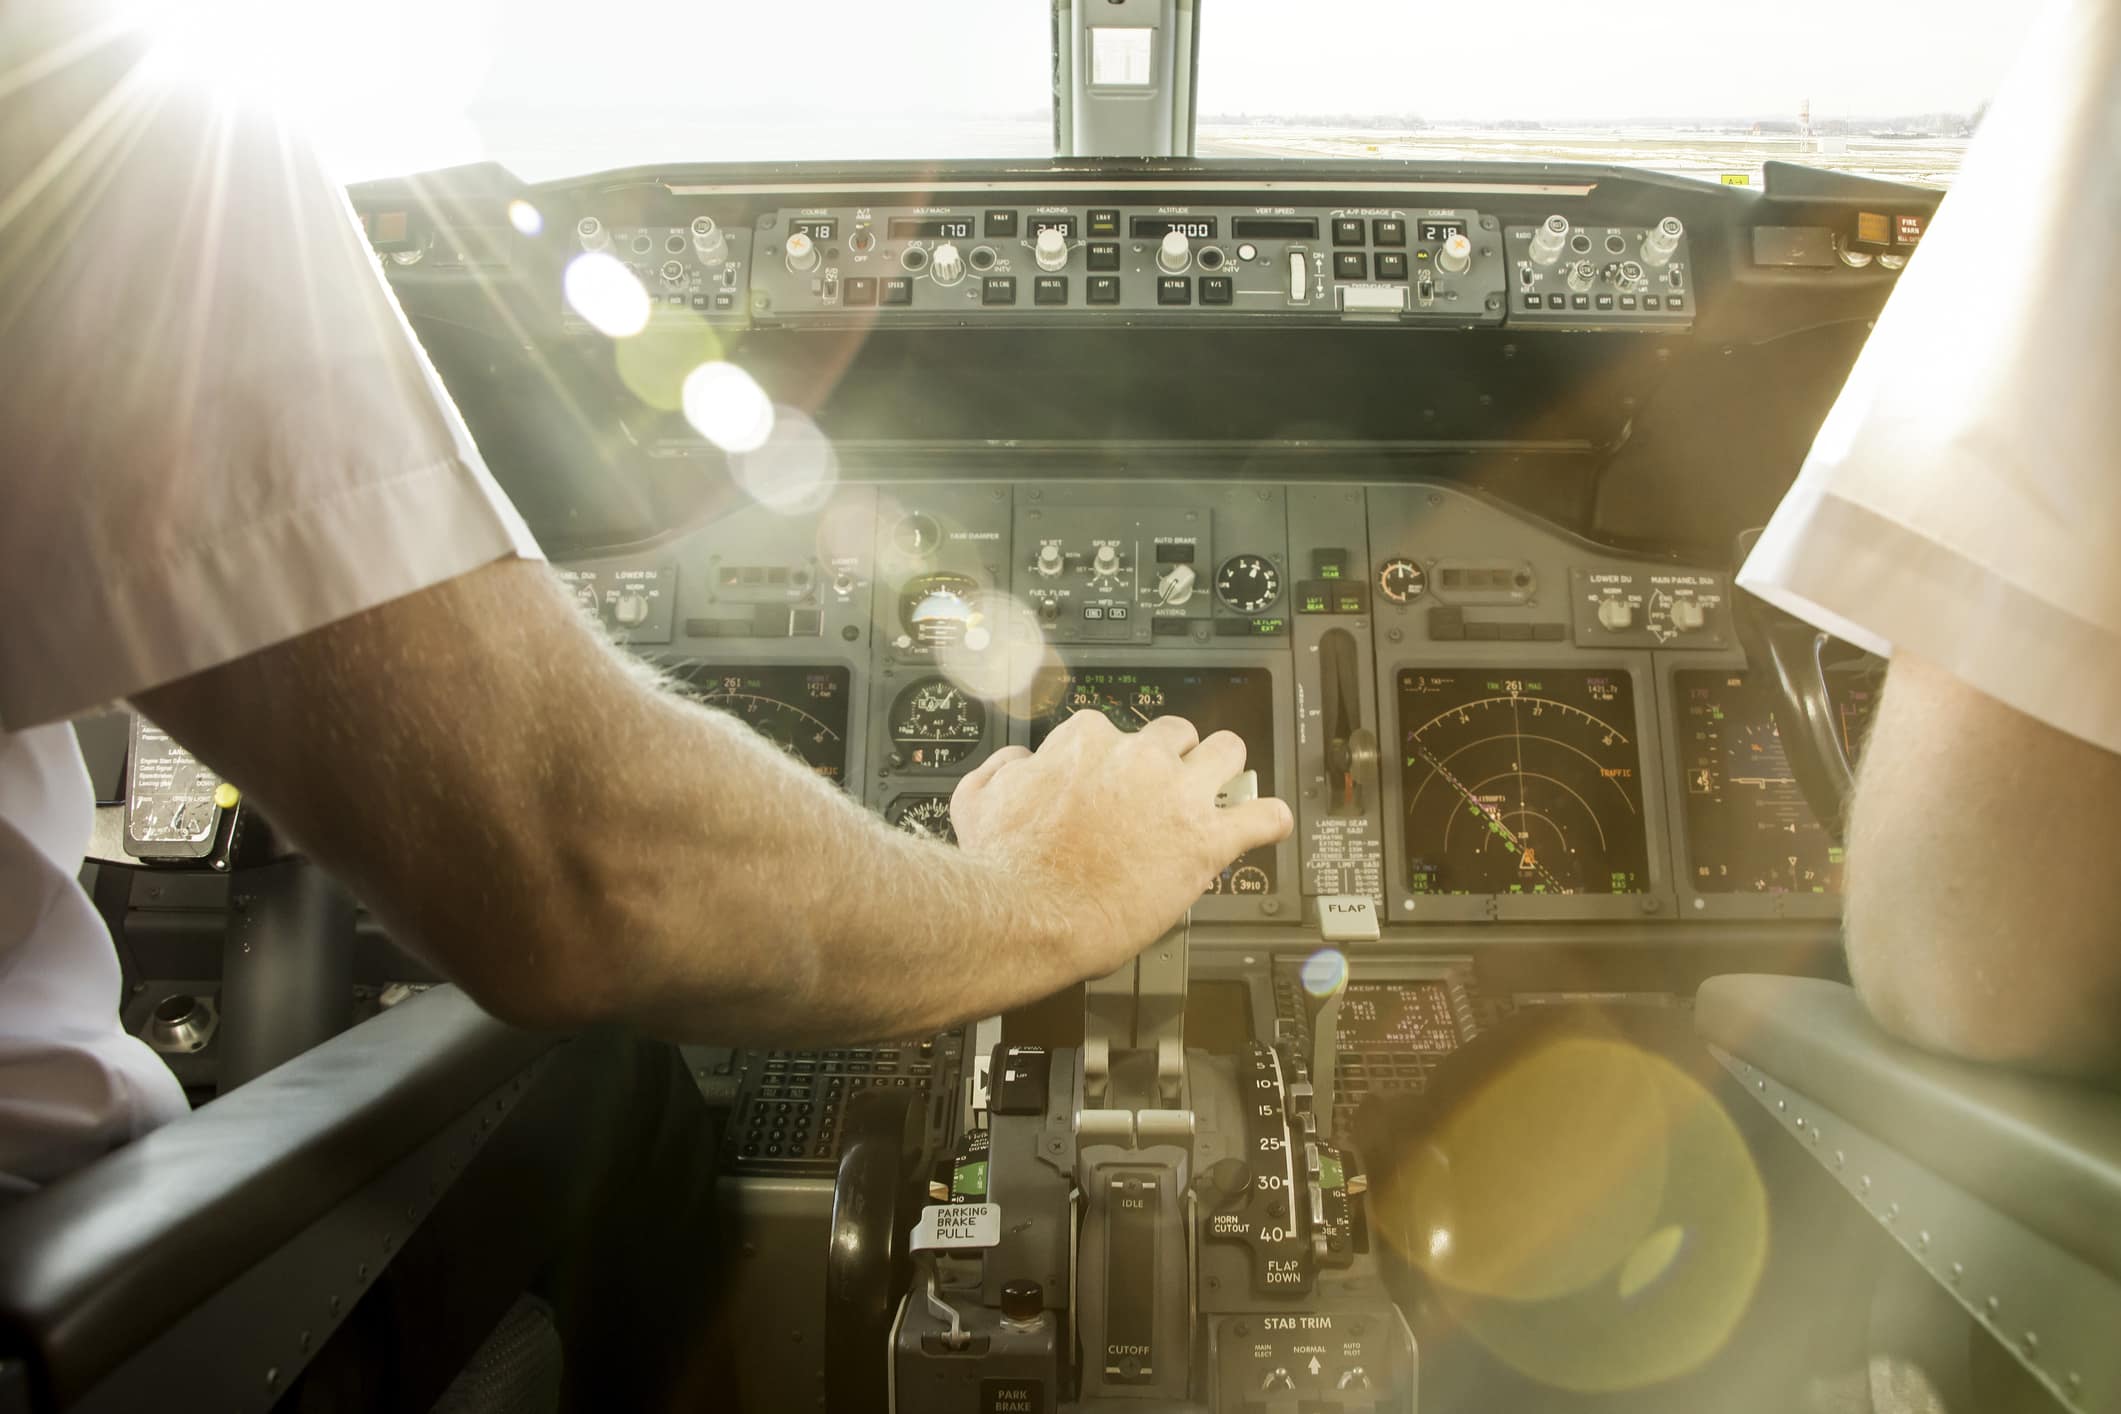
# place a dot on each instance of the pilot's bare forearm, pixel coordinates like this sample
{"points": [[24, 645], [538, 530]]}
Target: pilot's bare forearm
{"points": [[1984, 911], [519, 805]]}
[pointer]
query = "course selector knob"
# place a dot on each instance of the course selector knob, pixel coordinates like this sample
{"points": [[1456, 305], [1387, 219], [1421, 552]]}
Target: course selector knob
{"points": [[1616, 615], [1456, 256], [1176, 253], [801, 253], [1051, 249], [947, 264]]}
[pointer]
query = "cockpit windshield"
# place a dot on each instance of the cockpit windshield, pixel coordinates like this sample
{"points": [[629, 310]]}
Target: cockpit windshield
{"points": [[552, 89]]}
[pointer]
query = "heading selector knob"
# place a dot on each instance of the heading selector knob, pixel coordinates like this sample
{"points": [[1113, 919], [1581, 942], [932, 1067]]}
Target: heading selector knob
{"points": [[1456, 256], [1051, 249], [947, 264], [801, 253], [1550, 239], [1176, 253]]}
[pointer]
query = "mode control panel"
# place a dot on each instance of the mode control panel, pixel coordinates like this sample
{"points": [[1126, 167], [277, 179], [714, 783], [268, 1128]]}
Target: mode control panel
{"points": [[1601, 277], [1406, 265]]}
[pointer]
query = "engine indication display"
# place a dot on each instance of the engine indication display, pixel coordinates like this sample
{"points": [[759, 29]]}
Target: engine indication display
{"points": [[1748, 827], [1239, 700], [1521, 783], [803, 710], [936, 725]]}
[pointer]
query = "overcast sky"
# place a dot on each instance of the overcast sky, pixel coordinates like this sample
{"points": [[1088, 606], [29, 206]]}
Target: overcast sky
{"points": [[581, 84]]}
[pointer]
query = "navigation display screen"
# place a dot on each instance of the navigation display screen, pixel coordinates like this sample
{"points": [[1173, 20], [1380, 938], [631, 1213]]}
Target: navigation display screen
{"points": [[802, 710], [1521, 782], [1397, 1016], [1238, 700], [1748, 828]]}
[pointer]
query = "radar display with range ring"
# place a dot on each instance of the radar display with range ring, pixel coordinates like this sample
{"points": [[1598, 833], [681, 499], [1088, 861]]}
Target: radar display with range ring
{"points": [[802, 710], [1521, 783]]}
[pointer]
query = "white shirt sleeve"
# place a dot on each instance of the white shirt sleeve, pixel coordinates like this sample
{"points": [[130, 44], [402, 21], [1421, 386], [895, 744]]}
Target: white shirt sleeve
{"points": [[217, 431], [1963, 498]]}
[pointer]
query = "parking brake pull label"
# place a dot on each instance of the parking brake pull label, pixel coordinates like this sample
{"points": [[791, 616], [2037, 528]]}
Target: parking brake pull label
{"points": [[951, 1227]]}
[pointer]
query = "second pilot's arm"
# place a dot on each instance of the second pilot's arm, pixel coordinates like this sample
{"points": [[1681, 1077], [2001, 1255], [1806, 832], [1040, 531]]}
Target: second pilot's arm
{"points": [[1961, 510]]}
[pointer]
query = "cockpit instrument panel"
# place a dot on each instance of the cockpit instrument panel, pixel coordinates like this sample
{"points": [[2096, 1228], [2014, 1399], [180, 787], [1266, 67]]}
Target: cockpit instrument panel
{"points": [[801, 709], [1521, 782], [1748, 828], [1237, 699]]}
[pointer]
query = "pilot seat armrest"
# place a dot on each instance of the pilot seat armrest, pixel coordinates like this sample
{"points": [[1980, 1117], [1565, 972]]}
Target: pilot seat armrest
{"points": [[100, 1264], [2005, 1186]]}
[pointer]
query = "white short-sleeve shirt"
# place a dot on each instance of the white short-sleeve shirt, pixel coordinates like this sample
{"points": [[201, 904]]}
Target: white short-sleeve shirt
{"points": [[1963, 500], [216, 433]]}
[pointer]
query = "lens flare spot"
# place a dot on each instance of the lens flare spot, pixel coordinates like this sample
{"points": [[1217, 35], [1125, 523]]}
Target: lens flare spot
{"points": [[1325, 972], [527, 219], [604, 292], [1001, 652], [656, 366], [1650, 1258], [728, 407], [794, 469], [1588, 1213]]}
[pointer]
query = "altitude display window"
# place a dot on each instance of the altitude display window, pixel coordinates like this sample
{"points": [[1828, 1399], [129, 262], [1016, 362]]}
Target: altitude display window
{"points": [[1748, 827], [1239, 700], [1521, 782], [802, 710]]}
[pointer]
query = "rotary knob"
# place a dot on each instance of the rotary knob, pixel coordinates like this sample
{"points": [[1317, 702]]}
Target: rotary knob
{"points": [[708, 241], [1049, 561], [630, 609], [801, 253], [590, 231], [1175, 586], [1628, 277], [947, 265], [1662, 241], [1051, 249], [1550, 239], [1176, 253], [1616, 615], [1105, 561], [1582, 275], [1688, 615], [1456, 256]]}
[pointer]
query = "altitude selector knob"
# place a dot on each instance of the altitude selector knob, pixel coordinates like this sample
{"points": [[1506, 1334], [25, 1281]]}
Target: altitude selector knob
{"points": [[1456, 256], [1051, 249], [947, 265], [1176, 253], [801, 253]]}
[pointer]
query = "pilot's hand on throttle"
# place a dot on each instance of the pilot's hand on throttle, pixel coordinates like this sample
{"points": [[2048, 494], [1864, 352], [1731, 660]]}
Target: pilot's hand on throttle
{"points": [[1119, 832]]}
